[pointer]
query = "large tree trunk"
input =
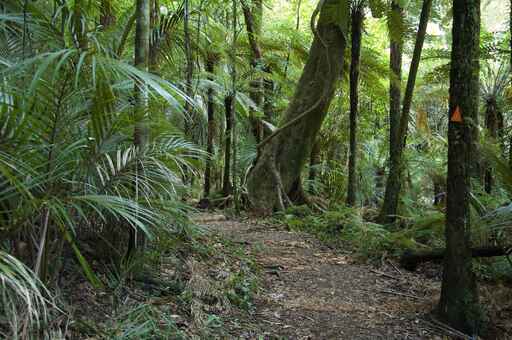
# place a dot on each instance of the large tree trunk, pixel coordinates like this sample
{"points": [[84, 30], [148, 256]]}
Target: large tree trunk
{"points": [[357, 28], [459, 303], [393, 184], [210, 68], [283, 154]]}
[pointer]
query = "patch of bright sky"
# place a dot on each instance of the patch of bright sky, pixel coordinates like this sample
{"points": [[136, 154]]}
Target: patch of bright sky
{"points": [[495, 15]]}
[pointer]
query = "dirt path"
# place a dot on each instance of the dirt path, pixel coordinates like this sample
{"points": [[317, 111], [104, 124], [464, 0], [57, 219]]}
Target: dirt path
{"points": [[312, 292]]}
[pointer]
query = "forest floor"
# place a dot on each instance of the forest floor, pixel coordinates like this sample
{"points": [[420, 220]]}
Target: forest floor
{"points": [[255, 279], [310, 291]]}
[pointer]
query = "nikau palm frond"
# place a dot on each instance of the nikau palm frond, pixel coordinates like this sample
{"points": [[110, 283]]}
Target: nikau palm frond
{"points": [[67, 161]]}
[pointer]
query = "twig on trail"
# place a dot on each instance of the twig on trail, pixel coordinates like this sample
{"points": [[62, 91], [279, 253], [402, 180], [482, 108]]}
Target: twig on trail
{"points": [[273, 267], [445, 329], [392, 292], [271, 322], [395, 267], [245, 243], [309, 318], [384, 274]]}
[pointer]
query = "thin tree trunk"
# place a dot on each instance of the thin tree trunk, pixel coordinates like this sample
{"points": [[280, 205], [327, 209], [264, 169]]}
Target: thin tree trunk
{"points": [[395, 82], [141, 62], [140, 132], [491, 124], [393, 184], [189, 69], [227, 187], [282, 155], [107, 16], [459, 303], [390, 203], [357, 28], [297, 26], [210, 68], [510, 152], [233, 96], [510, 32], [252, 16]]}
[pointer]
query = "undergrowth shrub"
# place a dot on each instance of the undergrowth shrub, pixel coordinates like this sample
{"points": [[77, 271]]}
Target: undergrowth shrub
{"points": [[142, 321], [346, 226], [25, 301]]}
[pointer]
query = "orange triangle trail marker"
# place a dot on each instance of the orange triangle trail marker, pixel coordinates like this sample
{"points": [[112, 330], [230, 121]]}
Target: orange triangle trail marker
{"points": [[456, 116]]}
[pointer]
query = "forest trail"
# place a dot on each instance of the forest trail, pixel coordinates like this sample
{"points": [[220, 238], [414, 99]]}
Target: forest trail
{"points": [[309, 291]]}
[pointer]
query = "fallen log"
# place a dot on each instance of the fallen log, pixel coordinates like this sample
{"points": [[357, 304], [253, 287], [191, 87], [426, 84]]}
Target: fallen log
{"points": [[411, 259]]}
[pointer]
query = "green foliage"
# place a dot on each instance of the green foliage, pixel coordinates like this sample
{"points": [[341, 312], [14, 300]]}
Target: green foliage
{"points": [[142, 321], [68, 164], [241, 287], [24, 300], [346, 227], [68, 157], [378, 7]]}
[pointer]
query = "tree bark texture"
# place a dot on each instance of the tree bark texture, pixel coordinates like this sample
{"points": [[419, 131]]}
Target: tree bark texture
{"points": [[210, 68], [459, 303], [107, 17], [394, 181], [390, 203], [281, 159], [411, 259], [492, 123], [189, 72], [395, 81], [141, 62], [252, 16], [357, 28], [140, 131], [227, 187]]}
